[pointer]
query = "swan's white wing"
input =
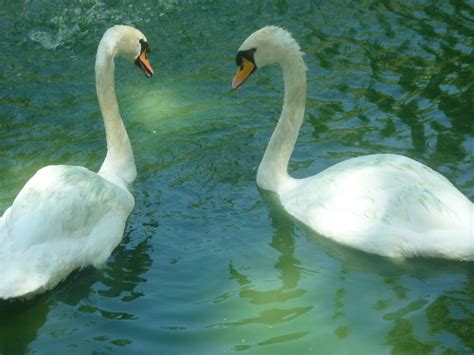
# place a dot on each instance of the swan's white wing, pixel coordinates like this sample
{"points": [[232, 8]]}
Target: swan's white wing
{"points": [[386, 204], [64, 218]]}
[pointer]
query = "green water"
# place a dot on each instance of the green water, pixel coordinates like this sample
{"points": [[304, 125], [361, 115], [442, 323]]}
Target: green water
{"points": [[209, 264]]}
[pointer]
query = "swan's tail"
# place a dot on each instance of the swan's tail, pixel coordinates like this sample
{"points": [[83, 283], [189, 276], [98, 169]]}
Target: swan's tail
{"points": [[17, 275], [14, 284]]}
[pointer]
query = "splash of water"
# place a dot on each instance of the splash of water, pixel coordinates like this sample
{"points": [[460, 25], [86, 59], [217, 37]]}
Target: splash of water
{"points": [[71, 22]]}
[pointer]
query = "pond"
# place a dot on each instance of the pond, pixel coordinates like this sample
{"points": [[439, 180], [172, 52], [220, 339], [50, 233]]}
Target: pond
{"points": [[209, 263]]}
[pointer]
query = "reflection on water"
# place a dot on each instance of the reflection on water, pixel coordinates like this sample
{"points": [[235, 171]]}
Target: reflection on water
{"points": [[27, 316], [287, 267], [77, 295], [210, 263], [125, 272], [286, 264], [30, 315], [403, 340], [452, 313]]}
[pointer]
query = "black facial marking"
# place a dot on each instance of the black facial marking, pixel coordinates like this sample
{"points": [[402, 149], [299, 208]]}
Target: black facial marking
{"points": [[247, 54], [145, 49], [145, 46]]}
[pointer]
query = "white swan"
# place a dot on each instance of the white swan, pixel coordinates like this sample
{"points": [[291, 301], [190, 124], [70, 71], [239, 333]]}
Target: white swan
{"points": [[384, 204], [68, 217]]}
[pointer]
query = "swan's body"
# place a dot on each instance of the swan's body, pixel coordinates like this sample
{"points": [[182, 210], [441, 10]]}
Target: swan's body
{"points": [[68, 217], [385, 204]]}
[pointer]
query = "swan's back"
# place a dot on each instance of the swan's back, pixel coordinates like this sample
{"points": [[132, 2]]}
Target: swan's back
{"points": [[386, 204], [65, 217]]}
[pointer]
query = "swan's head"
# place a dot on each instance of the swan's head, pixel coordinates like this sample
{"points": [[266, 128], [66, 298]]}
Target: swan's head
{"points": [[266, 46], [129, 43]]}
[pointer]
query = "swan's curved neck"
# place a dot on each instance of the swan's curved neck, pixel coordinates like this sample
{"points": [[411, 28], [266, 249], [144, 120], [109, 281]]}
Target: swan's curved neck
{"points": [[272, 173], [119, 164]]}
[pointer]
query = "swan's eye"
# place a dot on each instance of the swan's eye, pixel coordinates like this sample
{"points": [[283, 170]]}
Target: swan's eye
{"points": [[247, 54], [142, 59], [238, 60], [144, 47]]}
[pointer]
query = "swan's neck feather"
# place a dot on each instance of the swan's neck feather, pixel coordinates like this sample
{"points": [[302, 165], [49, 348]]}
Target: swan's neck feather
{"points": [[273, 170], [119, 164]]}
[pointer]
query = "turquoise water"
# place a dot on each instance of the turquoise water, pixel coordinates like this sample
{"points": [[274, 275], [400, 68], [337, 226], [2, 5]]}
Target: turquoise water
{"points": [[210, 264]]}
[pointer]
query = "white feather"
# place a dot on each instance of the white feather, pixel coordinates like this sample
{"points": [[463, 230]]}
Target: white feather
{"points": [[385, 204], [67, 217]]}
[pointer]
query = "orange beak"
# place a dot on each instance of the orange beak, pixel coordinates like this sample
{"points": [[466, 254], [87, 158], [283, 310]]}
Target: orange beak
{"points": [[143, 62], [243, 73]]}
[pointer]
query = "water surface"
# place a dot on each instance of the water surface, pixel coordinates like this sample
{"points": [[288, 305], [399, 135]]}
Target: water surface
{"points": [[210, 264]]}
